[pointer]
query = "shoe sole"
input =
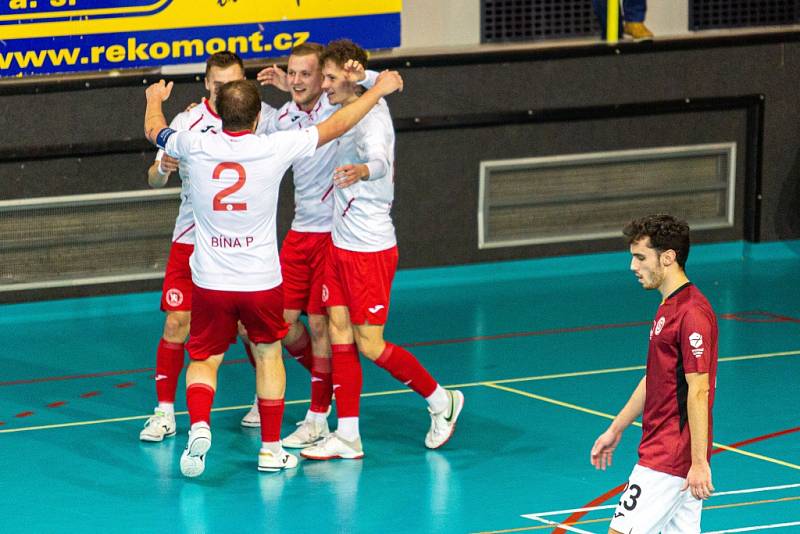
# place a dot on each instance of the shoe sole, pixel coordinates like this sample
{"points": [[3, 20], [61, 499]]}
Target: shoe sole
{"points": [[455, 422], [154, 439], [199, 447], [275, 469], [250, 424], [334, 457]]}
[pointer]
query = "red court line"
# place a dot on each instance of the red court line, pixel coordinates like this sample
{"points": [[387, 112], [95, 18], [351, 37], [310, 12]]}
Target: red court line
{"points": [[577, 516], [56, 404], [550, 331], [24, 414], [90, 394], [125, 385]]}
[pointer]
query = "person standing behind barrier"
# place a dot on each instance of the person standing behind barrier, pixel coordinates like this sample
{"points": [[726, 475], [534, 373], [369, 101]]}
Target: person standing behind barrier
{"points": [[234, 179], [675, 396], [360, 269], [633, 14]]}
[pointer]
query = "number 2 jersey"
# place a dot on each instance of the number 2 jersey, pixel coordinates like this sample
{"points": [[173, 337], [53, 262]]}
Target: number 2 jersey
{"points": [[683, 340], [201, 119], [234, 180]]}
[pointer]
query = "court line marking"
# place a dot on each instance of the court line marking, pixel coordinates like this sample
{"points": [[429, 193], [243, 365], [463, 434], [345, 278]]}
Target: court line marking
{"points": [[573, 374], [608, 519], [635, 423], [757, 527]]}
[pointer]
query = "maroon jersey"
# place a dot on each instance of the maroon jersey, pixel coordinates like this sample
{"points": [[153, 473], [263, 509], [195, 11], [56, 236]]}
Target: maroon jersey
{"points": [[683, 340]]}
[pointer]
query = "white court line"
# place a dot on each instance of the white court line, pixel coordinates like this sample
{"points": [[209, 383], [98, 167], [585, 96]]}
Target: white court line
{"points": [[540, 516]]}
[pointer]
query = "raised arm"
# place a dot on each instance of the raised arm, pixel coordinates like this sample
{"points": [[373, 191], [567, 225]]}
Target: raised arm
{"points": [[604, 446], [154, 120], [340, 122], [699, 477]]}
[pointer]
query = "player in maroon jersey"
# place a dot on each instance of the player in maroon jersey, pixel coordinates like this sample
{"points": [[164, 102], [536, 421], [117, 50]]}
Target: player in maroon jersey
{"points": [[675, 396]]}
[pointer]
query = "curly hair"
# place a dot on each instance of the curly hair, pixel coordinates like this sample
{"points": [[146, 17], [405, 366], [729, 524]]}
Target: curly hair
{"points": [[340, 50], [666, 232]]}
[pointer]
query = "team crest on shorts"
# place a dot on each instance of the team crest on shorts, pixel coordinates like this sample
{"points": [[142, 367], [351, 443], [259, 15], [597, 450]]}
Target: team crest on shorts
{"points": [[325, 293], [174, 297]]}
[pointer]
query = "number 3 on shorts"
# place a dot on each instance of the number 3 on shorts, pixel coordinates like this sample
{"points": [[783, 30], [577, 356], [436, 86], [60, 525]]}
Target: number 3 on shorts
{"points": [[630, 497]]}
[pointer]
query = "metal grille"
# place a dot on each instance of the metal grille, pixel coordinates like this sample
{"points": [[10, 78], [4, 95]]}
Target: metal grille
{"points": [[530, 20], [591, 196], [85, 239], [710, 14]]}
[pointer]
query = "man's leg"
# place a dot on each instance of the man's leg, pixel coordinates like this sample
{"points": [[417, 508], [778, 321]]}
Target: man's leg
{"points": [[201, 384], [444, 406], [347, 381]]}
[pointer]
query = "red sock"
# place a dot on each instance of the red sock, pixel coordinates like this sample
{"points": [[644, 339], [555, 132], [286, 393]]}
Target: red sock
{"points": [[271, 412], [321, 385], [346, 379], [169, 362], [199, 398], [249, 352], [301, 349], [402, 365]]}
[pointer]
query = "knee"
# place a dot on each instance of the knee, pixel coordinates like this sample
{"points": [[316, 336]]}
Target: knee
{"points": [[370, 348], [318, 327], [176, 327]]}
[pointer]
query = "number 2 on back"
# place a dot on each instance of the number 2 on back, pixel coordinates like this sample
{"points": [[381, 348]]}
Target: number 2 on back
{"points": [[219, 205]]}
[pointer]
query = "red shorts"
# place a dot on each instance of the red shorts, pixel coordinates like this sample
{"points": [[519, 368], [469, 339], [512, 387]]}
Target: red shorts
{"points": [[303, 269], [362, 281], [215, 315], [176, 293]]}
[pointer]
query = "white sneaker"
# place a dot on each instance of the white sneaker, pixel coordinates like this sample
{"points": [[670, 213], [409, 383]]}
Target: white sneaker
{"points": [[252, 419], [269, 461], [193, 459], [307, 434], [443, 424], [333, 447], [158, 426]]}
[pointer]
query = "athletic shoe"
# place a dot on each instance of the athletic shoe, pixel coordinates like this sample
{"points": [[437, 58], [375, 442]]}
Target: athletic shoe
{"points": [[443, 424], [638, 31], [307, 434], [193, 459], [333, 447], [271, 462], [252, 419], [158, 426]]}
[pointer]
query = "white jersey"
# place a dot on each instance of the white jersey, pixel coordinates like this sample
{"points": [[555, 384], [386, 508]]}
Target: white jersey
{"points": [[234, 180], [362, 220], [203, 119], [313, 176]]}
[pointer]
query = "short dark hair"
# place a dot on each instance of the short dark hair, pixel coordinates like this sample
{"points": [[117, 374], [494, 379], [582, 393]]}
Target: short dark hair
{"points": [[239, 104], [340, 50], [666, 232], [223, 60], [309, 49]]}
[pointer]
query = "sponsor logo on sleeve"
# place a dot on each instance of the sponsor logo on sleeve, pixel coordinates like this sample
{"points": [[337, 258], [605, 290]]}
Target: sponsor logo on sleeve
{"points": [[696, 341]]}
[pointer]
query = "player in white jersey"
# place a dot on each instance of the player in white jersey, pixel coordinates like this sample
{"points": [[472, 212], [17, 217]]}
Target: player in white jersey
{"points": [[176, 295], [306, 244], [360, 268], [234, 179]]}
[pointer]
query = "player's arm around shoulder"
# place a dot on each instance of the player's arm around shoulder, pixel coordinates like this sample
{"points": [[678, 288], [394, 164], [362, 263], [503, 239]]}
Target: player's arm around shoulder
{"points": [[343, 120]]}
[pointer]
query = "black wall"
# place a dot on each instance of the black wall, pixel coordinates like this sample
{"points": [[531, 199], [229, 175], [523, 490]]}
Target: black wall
{"points": [[456, 110]]}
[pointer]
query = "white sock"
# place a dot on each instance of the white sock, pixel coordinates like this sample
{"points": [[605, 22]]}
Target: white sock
{"points": [[438, 400], [273, 446], [347, 428], [316, 417], [167, 407]]}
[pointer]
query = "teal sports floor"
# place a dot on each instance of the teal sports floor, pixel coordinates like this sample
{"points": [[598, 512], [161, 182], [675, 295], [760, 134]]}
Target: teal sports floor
{"points": [[544, 351]]}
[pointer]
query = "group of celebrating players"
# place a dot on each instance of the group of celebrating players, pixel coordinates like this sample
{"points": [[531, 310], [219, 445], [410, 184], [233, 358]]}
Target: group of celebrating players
{"points": [[225, 276]]}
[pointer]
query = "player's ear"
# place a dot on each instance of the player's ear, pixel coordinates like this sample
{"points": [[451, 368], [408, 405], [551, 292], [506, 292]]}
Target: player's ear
{"points": [[668, 257]]}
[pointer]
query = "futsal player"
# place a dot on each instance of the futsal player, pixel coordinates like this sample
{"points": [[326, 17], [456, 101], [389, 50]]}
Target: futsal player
{"points": [[360, 268], [176, 295], [306, 244], [666, 489], [234, 179]]}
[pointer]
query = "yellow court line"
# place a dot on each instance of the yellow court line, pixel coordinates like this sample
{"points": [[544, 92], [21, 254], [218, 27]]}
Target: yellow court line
{"points": [[635, 423], [401, 391], [606, 520]]}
